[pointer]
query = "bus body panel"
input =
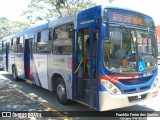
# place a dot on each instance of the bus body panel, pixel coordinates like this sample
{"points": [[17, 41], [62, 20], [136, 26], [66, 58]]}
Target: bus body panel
{"points": [[39, 70], [55, 65], [19, 62], [11, 59], [120, 101], [16, 57]]}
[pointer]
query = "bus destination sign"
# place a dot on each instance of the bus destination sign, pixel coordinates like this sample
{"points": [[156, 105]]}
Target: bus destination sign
{"points": [[129, 17], [117, 17]]}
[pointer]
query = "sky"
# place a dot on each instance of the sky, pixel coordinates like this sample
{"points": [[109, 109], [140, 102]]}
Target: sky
{"points": [[12, 9]]}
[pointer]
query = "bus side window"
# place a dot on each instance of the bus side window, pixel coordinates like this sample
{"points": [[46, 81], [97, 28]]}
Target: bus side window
{"points": [[62, 40], [35, 44], [11, 46], [36, 40], [50, 35], [43, 45], [15, 44], [3, 47], [20, 44], [38, 37]]}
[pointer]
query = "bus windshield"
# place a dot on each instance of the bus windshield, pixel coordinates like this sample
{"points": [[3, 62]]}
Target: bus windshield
{"points": [[130, 50]]}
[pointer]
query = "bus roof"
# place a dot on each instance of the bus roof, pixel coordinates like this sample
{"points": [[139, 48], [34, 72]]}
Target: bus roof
{"points": [[27, 31], [71, 18], [63, 20]]}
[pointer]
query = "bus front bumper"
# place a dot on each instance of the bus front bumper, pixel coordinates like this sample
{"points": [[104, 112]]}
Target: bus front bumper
{"points": [[109, 102]]}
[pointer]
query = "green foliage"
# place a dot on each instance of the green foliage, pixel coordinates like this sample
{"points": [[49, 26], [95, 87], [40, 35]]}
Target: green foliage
{"points": [[45, 10], [8, 27], [110, 1]]}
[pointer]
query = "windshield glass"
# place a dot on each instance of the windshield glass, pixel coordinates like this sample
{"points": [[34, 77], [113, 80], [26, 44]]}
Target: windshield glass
{"points": [[130, 50]]}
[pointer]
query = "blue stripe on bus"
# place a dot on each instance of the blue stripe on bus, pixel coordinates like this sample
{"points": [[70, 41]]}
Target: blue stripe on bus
{"points": [[102, 88], [35, 75]]}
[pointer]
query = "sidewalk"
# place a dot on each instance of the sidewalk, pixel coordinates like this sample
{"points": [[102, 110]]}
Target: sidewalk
{"points": [[12, 99]]}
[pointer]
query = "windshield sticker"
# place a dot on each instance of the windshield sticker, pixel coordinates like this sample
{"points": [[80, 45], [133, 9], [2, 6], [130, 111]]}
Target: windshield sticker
{"points": [[141, 66]]}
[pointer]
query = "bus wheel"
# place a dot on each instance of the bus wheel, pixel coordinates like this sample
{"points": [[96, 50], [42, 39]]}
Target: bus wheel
{"points": [[14, 73], [61, 91]]}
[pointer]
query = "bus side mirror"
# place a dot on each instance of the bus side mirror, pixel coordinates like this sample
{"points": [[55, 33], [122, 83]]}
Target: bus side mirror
{"points": [[105, 32]]}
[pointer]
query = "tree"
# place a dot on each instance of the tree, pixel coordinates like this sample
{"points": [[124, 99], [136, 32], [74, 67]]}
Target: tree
{"points": [[9, 27], [39, 10], [110, 1]]}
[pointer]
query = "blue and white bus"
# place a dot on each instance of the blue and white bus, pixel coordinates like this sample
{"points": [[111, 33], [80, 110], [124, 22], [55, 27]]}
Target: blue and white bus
{"points": [[76, 56], [1, 55]]}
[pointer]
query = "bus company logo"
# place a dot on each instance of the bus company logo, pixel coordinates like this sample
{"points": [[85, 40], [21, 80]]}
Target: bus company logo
{"points": [[86, 22]]}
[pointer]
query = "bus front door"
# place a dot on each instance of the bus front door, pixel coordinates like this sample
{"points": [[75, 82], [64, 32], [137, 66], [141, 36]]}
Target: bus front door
{"points": [[84, 79]]}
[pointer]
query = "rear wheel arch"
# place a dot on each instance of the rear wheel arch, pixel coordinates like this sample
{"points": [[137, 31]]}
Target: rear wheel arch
{"points": [[59, 85], [54, 81]]}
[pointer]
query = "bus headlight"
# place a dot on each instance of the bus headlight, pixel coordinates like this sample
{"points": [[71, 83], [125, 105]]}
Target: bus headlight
{"points": [[110, 87], [155, 83]]}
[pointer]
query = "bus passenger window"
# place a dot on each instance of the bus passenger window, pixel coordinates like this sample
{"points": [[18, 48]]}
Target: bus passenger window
{"points": [[43, 43], [15, 44], [20, 44], [62, 42], [11, 46], [50, 35], [38, 36]]}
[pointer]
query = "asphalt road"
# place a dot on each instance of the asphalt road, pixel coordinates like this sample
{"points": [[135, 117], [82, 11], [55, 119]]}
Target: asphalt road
{"points": [[48, 97]]}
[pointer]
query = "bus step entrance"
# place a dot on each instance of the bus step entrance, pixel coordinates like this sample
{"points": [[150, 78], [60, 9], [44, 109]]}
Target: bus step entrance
{"points": [[86, 95]]}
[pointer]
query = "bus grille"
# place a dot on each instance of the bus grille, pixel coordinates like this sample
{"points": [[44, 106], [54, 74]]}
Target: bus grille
{"points": [[133, 90], [129, 90], [144, 88], [135, 81]]}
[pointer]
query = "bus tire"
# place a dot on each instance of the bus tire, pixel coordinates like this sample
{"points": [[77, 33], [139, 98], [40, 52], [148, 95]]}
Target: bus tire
{"points": [[61, 93], [14, 73]]}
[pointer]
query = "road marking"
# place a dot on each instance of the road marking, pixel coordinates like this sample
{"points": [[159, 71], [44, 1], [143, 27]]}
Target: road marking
{"points": [[82, 103], [29, 81], [58, 113], [44, 104], [50, 108]]}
